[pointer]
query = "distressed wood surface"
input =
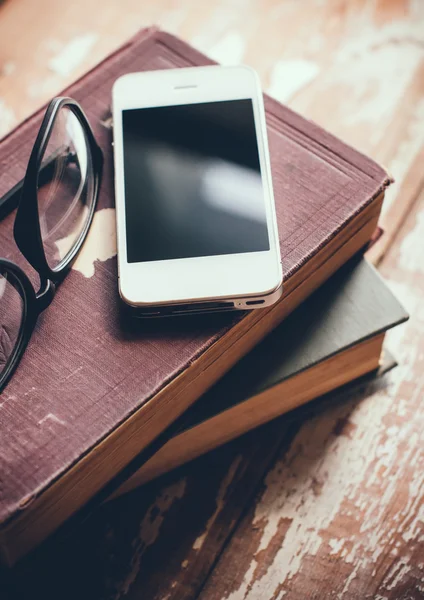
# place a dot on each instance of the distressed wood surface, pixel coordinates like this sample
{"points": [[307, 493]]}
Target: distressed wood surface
{"points": [[163, 540], [339, 503], [341, 512], [160, 541]]}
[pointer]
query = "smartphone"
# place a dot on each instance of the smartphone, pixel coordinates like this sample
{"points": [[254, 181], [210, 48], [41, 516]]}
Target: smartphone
{"points": [[196, 225]]}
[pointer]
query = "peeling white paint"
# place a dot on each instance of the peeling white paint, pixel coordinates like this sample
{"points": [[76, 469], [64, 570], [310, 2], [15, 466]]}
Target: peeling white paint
{"points": [[401, 409], [336, 545], [396, 574], [370, 78], [149, 530], [8, 68], [220, 499], [378, 454], [412, 248], [370, 71], [219, 22], [364, 34], [290, 76], [229, 50], [100, 244], [399, 338], [7, 118], [410, 528], [348, 581], [73, 54], [316, 42], [173, 19], [416, 9], [408, 149], [42, 88]]}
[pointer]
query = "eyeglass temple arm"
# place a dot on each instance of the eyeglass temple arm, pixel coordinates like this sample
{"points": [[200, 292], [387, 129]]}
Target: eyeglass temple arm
{"points": [[10, 200]]}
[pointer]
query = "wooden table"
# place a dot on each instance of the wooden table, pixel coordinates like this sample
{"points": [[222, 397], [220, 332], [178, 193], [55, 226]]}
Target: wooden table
{"points": [[326, 506]]}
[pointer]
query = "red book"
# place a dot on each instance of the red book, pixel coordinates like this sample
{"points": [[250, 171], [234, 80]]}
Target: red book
{"points": [[93, 389]]}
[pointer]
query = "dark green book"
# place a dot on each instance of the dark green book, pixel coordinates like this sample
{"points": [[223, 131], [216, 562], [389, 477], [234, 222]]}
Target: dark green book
{"points": [[334, 338]]}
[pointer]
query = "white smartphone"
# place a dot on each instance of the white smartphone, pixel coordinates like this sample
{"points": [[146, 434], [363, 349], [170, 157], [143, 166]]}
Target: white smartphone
{"points": [[195, 210]]}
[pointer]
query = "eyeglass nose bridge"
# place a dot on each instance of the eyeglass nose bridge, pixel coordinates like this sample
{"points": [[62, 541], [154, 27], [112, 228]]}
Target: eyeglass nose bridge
{"points": [[46, 294]]}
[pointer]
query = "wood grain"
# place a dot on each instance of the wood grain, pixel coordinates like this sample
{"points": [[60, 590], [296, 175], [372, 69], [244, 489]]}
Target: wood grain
{"points": [[339, 514], [159, 541], [342, 509]]}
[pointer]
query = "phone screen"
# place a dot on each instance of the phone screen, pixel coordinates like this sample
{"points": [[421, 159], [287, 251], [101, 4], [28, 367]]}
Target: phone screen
{"points": [[193, 182]]}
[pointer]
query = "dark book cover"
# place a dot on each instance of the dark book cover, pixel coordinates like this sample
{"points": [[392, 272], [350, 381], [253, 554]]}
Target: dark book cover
{"points": [[91, 386], [353, 306]]}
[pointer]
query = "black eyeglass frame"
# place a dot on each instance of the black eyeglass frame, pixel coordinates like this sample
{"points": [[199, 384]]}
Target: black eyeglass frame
{"points": [[27, 231]]}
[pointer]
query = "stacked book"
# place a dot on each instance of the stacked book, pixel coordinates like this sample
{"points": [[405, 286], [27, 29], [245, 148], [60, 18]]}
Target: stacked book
{"points": [[102, 403]]}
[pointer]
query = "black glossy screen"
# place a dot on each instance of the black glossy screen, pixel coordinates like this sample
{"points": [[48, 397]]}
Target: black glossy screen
{"points": [[192, 181]]}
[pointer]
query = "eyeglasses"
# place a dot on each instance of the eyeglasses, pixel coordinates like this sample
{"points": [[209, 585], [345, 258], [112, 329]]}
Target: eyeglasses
{"points": [[55, 210]]}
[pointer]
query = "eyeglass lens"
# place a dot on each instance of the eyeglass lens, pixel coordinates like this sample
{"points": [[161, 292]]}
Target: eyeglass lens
{"points": [[65, 187], [11, 315]]}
